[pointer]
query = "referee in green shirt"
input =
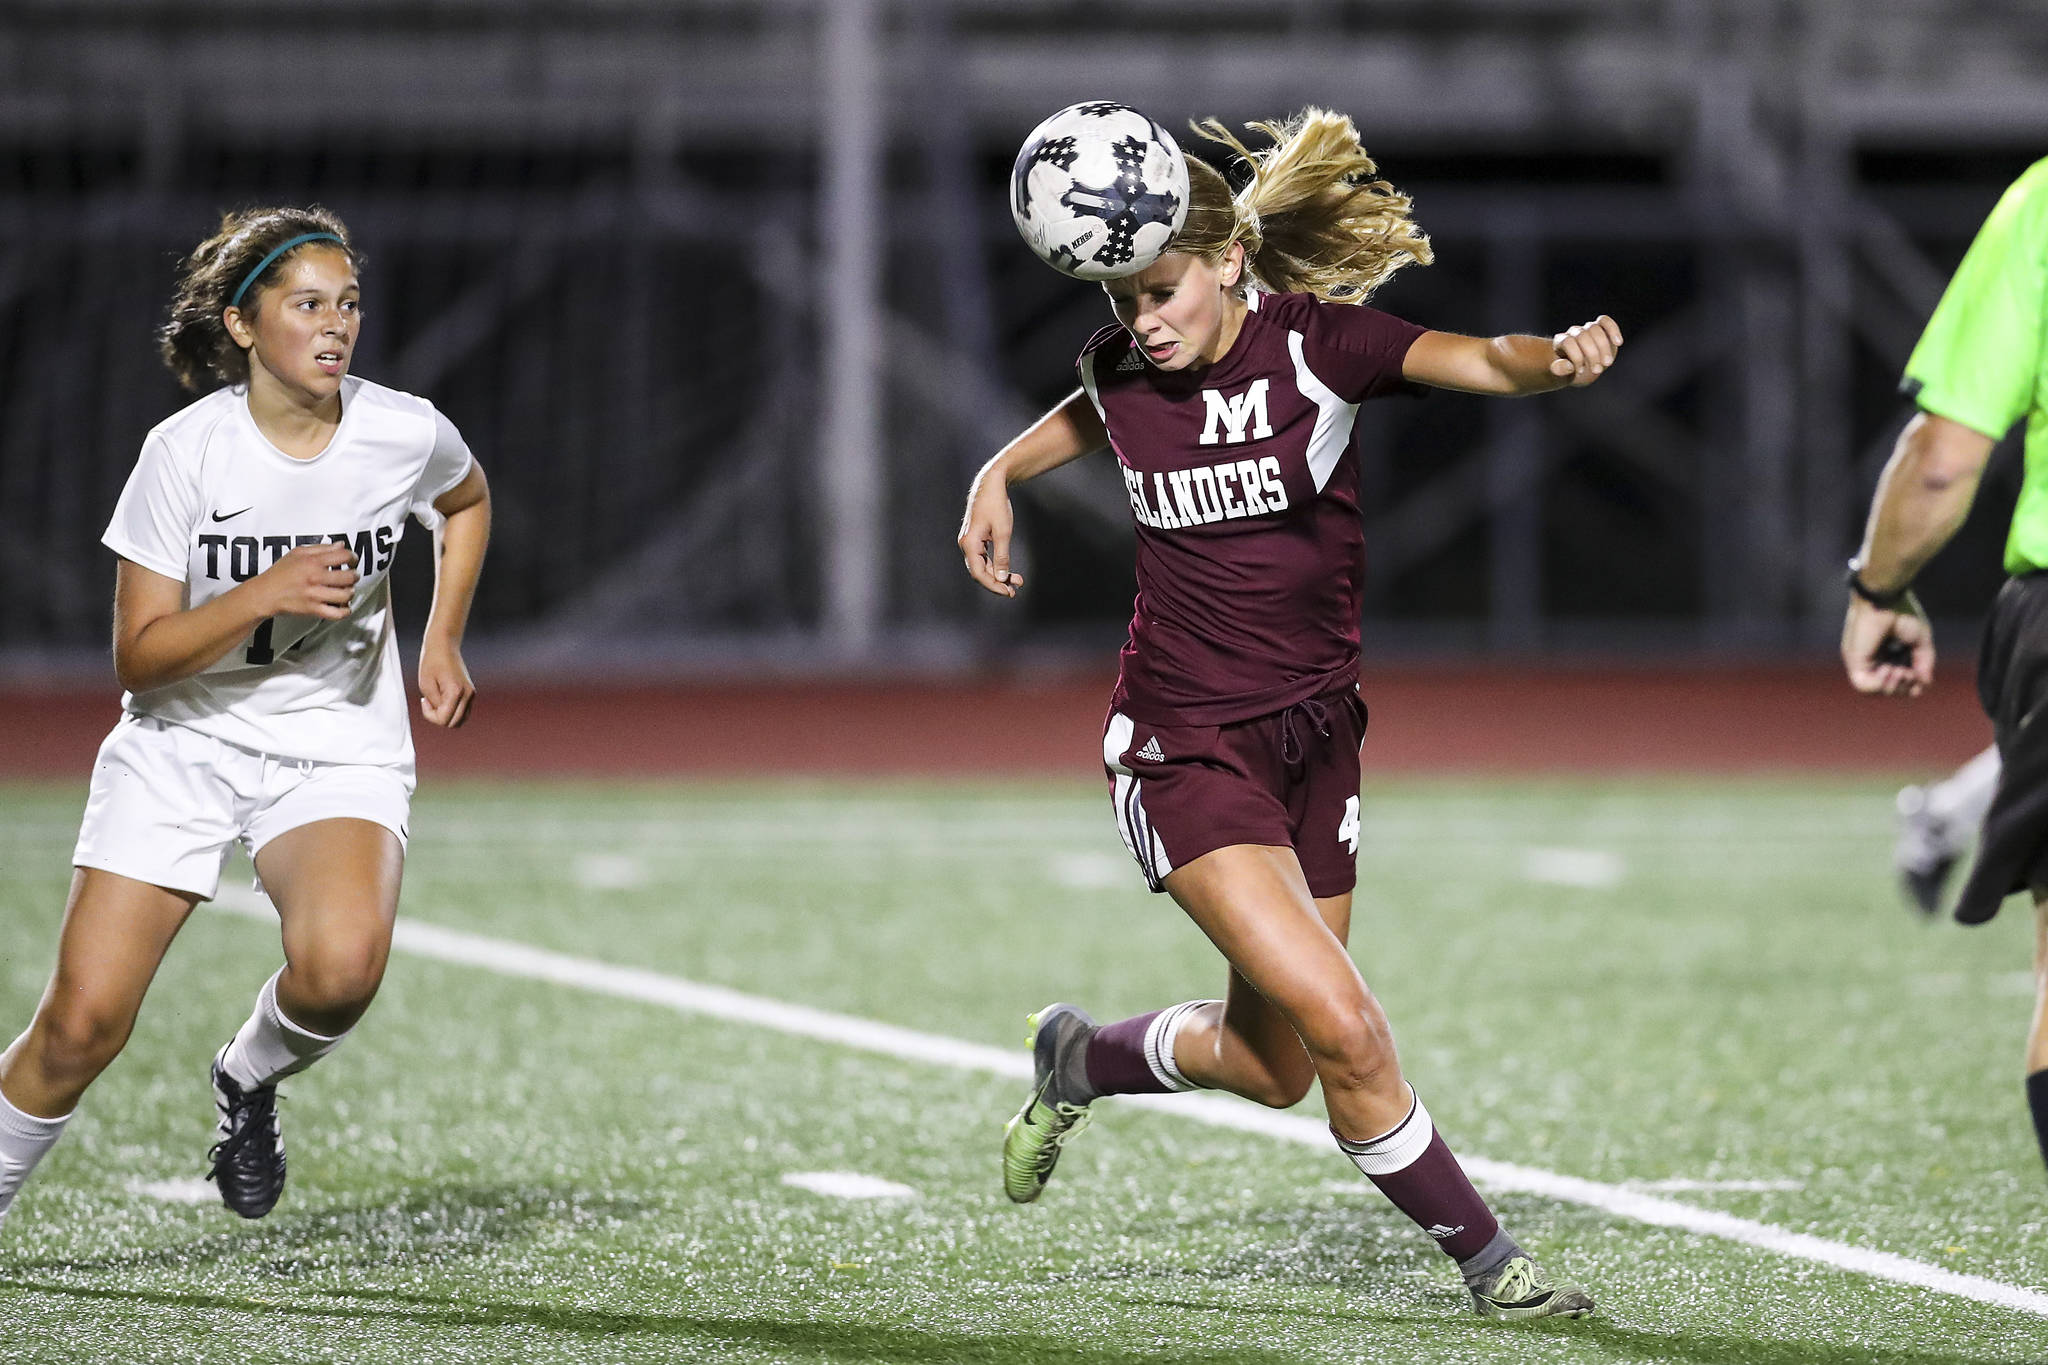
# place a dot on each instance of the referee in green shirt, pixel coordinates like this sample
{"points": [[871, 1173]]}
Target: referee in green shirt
{"points": [[1981, 366]]}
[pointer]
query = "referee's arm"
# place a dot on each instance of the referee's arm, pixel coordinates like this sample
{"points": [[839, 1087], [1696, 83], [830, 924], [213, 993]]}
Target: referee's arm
{"points": [[1922, 498]]}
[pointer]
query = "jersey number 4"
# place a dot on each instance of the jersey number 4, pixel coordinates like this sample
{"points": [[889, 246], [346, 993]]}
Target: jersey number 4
{"points": [[1347, 828]]}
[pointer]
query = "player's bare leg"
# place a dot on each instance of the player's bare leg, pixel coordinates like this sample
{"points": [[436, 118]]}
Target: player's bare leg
{"points": [[2037, 1038], [116, 931], [335, 884], [1245, 1045], [1253, 903], [1240, 1043]]}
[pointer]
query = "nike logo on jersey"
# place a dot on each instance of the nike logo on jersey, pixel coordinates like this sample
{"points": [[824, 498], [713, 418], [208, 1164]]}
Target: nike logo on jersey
{"points": [[230, 516]]}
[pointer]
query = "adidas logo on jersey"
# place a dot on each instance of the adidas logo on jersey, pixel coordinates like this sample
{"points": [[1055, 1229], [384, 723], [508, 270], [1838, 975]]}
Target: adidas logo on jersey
{"points": [[1151, 752], [1131, 361]]}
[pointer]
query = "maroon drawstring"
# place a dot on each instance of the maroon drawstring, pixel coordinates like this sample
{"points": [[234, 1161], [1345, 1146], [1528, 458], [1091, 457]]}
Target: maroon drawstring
{"points": [[1317, 715]]}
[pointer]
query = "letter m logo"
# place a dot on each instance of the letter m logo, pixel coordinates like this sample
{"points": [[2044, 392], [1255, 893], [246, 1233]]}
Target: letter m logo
{"points": [[1235, 415]]}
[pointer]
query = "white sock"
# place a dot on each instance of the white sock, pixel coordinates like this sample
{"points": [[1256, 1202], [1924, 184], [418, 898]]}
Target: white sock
{"points": [[270, 1047], [1396, 1149], [1160, 1036], [23, 1140], [1962, 798]]}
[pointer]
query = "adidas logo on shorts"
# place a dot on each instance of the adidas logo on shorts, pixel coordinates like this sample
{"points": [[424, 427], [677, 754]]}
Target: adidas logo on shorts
{"points": [[1151, 752]]}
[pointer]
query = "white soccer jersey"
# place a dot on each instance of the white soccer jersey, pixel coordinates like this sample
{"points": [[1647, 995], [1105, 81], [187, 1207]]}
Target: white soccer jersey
{"points": [[213, 503]]}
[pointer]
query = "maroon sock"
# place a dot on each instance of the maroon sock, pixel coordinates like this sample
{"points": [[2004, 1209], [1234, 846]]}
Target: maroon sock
{"points": [[1414, 1168], [1123, 1058], [1435, 1192]]}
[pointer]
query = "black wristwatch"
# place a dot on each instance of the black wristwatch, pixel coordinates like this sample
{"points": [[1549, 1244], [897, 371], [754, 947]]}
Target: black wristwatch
{"points": [[1884, 601]]}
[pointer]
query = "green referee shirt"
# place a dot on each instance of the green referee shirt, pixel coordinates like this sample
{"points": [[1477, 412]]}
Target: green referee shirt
{"points": [[1983, 360]]}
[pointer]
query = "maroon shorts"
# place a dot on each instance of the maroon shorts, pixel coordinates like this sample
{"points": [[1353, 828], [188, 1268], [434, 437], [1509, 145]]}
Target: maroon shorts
{"points": [[1287, 779]]}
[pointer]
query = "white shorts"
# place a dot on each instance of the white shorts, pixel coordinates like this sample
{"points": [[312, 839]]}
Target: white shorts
{"points": [[166, 802]]}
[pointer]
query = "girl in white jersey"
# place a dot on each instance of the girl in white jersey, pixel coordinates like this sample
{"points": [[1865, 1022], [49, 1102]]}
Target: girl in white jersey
{"points": [[1232, 743], [253, 633]]}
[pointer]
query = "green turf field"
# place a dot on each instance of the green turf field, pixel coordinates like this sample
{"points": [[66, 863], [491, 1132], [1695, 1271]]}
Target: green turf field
{"points": [[1630, 982]]}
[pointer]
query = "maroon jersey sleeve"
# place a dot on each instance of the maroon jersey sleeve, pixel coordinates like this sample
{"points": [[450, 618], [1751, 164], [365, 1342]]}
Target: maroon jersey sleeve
{"points": [[1357, 350]]}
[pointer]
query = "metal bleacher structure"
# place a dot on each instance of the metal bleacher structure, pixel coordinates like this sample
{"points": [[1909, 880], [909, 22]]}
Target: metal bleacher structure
{"points": [[726, 297]]}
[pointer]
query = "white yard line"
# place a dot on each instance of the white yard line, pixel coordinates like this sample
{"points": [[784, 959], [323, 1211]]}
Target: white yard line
{"points": [[690, 997], [176, 1191], [1589, 868], [847, 1185], [1722, 1186]]}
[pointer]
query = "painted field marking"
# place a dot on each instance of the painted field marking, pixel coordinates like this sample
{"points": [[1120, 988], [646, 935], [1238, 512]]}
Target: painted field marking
{"points": [[848, 1185], [1584, 867], [867, 1035], [1091, 871], [1730, 1186], [1971, 983], [610, 871], [176, 1191]]}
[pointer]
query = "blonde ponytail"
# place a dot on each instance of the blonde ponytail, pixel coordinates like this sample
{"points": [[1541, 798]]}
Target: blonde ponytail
{"points": [[1313, 219]]}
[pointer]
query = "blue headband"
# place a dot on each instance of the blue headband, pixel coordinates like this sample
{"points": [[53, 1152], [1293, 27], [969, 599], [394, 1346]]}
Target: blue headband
{"points": [[277, 251]]}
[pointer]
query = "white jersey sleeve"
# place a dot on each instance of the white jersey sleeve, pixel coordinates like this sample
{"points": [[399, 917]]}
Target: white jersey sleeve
{"points": [[447, 466], [160, 505]]}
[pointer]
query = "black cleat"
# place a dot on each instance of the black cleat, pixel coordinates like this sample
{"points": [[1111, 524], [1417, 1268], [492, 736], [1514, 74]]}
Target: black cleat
{"points": [[248, 1161]]}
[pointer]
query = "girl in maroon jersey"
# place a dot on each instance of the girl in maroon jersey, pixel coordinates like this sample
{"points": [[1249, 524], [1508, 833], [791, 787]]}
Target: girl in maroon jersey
{"points": [[1227, 393]]}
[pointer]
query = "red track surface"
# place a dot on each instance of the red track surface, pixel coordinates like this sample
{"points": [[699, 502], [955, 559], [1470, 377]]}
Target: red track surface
{"points": [[1464, 718]]}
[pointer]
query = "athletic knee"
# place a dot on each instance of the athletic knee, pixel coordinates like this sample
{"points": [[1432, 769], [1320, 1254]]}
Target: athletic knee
{"points": [[72, 1041], [1353, 1051], [333, 980]]}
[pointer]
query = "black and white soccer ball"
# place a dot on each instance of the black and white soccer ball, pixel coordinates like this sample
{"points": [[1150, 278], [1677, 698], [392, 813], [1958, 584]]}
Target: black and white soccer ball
{"points": [[1099, 190]]}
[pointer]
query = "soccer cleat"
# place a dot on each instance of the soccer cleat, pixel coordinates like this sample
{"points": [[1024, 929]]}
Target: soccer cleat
{"points": [[1926, 850], [1032, 1140], [1518, 1292], [248, 1161]]}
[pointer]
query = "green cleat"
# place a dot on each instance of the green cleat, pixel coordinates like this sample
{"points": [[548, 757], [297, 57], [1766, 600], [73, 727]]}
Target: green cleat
{"points": [[1519, 1292], [1032, 1140]]}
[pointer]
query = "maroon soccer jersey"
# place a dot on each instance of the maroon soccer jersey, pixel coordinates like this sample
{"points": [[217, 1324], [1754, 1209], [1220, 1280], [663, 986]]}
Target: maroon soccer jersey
{"points": [[1244, 487]]}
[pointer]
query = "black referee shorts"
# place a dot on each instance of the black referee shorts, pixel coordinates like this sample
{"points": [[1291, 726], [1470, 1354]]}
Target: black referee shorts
{"points": [[2012, 683]]}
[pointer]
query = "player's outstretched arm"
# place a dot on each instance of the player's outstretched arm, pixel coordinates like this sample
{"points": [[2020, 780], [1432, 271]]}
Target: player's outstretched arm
{"points": [[1509, 366], [1068, 432], [446, 691], [1922, 498], [159, 641]]}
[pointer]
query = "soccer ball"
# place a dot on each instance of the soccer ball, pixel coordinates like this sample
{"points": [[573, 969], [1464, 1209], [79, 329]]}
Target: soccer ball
{"points": [[1099, 190]]}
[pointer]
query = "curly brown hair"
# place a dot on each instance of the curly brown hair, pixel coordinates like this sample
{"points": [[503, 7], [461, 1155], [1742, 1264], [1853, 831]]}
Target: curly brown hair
{"points": [[194, 341], [1314, 217]]}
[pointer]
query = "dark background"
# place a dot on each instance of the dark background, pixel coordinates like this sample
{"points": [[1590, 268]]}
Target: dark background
{"points": [[601, 238]]}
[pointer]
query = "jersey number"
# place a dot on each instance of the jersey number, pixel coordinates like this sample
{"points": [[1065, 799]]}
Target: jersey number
{"points": [[1347, 828], [261, 650]]}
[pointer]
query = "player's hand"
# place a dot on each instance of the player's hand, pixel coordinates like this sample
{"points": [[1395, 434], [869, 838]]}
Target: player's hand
{"points": [[985, 538], [445, 689], [310, 580], [1888, 652], [1584, 352]]}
